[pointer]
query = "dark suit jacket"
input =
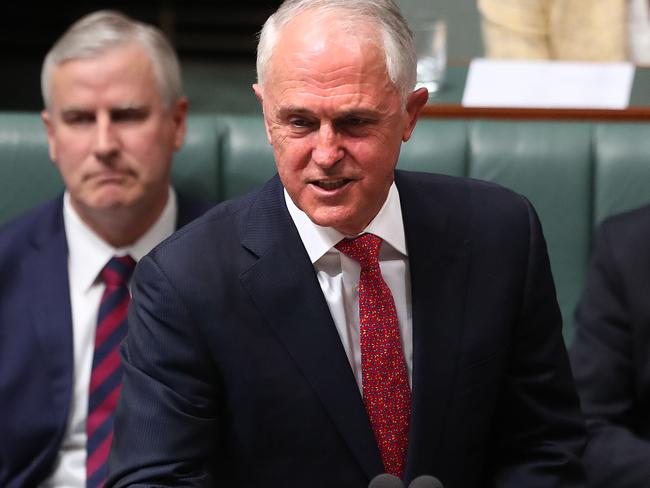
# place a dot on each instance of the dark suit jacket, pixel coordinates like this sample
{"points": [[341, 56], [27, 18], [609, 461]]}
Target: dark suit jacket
{"points": [[611, 353], [235, 374], [36, 358]]}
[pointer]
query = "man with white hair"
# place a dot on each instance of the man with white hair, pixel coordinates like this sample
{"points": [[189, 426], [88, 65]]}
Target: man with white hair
{"points": [[347, 319], [114, 115]]}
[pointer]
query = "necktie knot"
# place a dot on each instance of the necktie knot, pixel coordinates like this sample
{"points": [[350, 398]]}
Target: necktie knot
{"points": [[364, 249], [118, 271]]}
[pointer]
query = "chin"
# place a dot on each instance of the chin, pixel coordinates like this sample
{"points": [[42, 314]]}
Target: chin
{"points": [[112, 202], [339, 223]]}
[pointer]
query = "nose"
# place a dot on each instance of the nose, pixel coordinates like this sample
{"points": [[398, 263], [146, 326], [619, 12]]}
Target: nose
{"points": [[106, 139], [328, 150]]}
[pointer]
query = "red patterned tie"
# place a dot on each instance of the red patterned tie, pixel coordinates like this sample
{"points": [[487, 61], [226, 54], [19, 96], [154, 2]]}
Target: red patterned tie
{"points": [[106, 376], [386, 391]]}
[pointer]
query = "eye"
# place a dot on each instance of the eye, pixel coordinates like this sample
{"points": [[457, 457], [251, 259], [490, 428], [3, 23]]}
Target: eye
{"points": [[129, 114], [300, 123], [355, 125], [76, 117], [355, 121]]}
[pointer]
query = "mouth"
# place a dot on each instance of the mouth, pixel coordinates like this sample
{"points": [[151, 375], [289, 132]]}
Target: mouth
{"points": [[109, 176], [330, 185]]}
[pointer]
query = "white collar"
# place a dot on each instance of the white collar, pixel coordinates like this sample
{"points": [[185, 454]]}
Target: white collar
{"points": [[318, 240], [88, 253]]}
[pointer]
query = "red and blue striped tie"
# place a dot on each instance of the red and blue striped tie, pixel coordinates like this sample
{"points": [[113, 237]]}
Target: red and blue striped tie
{"points": [[106, 375]]}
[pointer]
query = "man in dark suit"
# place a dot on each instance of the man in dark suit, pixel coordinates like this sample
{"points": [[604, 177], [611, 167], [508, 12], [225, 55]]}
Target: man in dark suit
{"points": [[611, 353], [348, 319], [114, 116]]}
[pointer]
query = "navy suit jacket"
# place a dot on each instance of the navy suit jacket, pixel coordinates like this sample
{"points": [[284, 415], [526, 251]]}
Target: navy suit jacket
{"points": [[36, 351], [235, 374], [611, 353]]}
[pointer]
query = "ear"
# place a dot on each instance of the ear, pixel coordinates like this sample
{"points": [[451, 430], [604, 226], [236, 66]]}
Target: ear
{"points": [[416, 101], [258, 92], [50, 131], [179, 119], [260, 96]]}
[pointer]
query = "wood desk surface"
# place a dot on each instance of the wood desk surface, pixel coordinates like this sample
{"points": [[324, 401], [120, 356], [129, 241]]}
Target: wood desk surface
{"points": [[447, 103]]}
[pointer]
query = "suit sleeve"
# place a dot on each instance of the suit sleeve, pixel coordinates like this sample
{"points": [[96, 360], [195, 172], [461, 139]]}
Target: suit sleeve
{"points": [[540, 430], [603, 362], [165, 424]]}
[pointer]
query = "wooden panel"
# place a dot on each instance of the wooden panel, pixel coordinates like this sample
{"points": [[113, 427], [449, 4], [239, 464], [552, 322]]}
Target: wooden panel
{"points": [[455, 111]]}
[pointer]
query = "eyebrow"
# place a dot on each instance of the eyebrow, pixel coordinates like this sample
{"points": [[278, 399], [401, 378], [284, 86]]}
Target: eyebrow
{"points": [[285, 112], [80, 108], [136, 109], [293, 110]]}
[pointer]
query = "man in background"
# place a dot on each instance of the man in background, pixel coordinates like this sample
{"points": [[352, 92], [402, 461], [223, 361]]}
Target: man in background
{"points": [[611, 353], [346, 318], [114, 116]]}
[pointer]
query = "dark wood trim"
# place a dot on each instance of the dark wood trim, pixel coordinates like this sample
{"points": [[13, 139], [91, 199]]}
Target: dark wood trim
{"points": [[458, 111]]}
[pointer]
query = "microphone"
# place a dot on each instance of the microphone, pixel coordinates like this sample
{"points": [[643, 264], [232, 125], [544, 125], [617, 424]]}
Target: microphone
{"points": [[426, 481], [386, 480]]}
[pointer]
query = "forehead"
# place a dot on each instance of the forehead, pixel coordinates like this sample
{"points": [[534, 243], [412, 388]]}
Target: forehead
{"points": [[319, 57], [123, 71]]}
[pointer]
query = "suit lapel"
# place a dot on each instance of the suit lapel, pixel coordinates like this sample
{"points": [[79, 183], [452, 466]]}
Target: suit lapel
{"points": [[47, 272], [283, 285], [439, 264], [283, 277]]}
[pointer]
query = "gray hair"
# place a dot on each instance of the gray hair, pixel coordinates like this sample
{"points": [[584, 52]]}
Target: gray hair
{"points": [[97, 32], [396, 37]]}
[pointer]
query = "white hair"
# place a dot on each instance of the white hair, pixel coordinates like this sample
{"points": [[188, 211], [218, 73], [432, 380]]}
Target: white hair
{"points": [[97, 32], [395, 35]]}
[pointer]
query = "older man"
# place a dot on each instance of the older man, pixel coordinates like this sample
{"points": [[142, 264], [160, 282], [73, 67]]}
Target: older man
{"points": [[348, 319], [114, 116]]}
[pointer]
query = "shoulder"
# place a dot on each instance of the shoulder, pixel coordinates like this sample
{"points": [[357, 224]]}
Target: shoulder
{"points": [[463, 196], [35, 225], [466, 210], [20, 239], [628, 224], [626, 233], [207, 253], [214, 228]]}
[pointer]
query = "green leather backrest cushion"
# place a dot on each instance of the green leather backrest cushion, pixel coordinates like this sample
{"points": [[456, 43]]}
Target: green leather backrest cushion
{"points": [[245, 154], [622, 168], [550, 164], [195, 170], [27, 176]]}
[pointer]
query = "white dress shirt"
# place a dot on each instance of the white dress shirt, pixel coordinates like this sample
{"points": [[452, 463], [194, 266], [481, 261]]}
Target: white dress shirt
{"points": [[338, 275], [87, 256]]}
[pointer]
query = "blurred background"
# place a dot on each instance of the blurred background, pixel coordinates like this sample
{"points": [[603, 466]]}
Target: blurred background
{"points": [[215, 41]]}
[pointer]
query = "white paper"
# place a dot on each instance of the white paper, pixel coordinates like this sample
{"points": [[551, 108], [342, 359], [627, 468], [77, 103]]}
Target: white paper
{"points": [[548, 84]]}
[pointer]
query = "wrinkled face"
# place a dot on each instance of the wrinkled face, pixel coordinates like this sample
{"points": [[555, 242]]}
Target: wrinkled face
{"points": [[335, 120], [109, 133]]}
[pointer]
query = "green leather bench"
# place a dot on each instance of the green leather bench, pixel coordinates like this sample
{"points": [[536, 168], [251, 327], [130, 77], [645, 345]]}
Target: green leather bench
{"points": [[575, 173]]}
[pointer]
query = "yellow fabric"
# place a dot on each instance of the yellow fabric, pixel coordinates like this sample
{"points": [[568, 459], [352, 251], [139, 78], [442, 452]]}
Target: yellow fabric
{"points": [[590, 30]]}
